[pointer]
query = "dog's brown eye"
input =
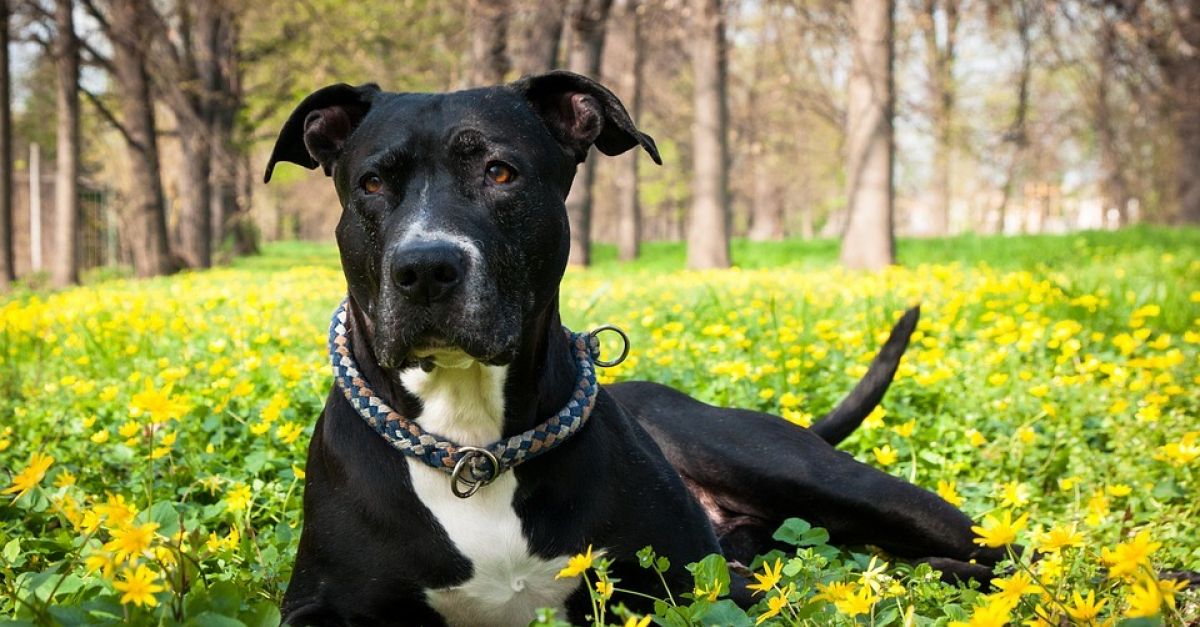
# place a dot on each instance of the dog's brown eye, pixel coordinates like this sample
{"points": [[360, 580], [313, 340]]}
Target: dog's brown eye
{"points": [[500, 173], [371, 184]]}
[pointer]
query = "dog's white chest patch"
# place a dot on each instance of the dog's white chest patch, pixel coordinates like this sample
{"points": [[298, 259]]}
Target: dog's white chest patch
{"points": [[508, 583]]}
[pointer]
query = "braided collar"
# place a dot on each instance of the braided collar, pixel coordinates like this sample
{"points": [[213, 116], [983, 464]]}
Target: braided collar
{"points": [[469, 467]]}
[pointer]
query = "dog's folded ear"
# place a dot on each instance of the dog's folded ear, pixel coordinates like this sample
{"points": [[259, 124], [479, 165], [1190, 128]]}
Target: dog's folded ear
{"points": [[316, 131], [581, 112]]}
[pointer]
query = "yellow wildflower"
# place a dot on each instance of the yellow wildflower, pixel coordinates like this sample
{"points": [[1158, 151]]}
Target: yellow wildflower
{"points": [[239, 498], [1129, 557], [886, 456], [1085, 610], [857, 602], [1059, 538], [577, 564], [997, 533], [769, 579], [776, 604], [138, 586], [1014, 587], [946, 490], [30, 476], [634, 621], [994, 613], [1145, 598], [130, 542]]}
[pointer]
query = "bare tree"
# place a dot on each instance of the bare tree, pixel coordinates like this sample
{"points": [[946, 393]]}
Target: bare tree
{"points": [[939, 22], [708, 230], [7, 261], [869, 241], [489, 42], [627, 25], [1023, 13], [588, 21], [537, 35], [130, 28], [66, 177]]}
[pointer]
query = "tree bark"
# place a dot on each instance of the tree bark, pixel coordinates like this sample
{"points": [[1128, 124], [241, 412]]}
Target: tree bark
{"points": [[145, 215], [226, 101], [940, 51], [538, 35], [489, 42], [1183, 74], [869, 242], [65, 268], [628, 22], [708, 230], [588, 22], [7, 258], [1115, 189], [1018, 132]]}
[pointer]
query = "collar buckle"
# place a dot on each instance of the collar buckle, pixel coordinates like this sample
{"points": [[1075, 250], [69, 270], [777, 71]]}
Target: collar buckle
{"points": [[481, 468]]}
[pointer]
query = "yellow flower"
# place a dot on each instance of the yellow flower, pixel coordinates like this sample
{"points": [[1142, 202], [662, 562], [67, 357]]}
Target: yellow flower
{"points": [[1145, 598], [138, 586], [159, 404], [835, 591], [288, 432], [30, 476], [996, 533], [102, 562], [605, 589], [858, 602], [1014, 494], [776, 604], [946, 490], [239, 498], [994, 613], [997, 378], [769, 579], [1119, 490], [298, 471], [100, 437], [634, 621], [1085, 610], [577, 564], [1013, 588], [130, 542], [1059, 538], [709, 592], [64, 479], [1066, 484], [886, 456], [906, 430], [1129, 557], [115, 511], [1169, 588]]}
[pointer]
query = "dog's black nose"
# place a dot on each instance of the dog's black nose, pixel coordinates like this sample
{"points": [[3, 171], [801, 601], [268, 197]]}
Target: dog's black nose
{"points": [[427, 272]]}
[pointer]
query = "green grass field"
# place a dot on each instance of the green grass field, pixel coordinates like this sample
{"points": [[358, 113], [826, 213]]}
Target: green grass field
{"points": [[152, 457]]}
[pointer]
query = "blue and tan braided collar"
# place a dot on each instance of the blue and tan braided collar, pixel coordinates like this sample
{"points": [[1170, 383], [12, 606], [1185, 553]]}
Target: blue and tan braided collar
{"points": [[470, 467]]}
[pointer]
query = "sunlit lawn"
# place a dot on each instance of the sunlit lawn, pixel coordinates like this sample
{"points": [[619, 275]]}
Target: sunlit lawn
{"points": [[153, 449]]}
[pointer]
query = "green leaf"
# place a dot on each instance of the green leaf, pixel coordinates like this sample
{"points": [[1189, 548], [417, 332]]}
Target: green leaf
{"points": [[800, 533], [726, 613], [209, 619], [1145, 621], [263, 614], [12, 553]]}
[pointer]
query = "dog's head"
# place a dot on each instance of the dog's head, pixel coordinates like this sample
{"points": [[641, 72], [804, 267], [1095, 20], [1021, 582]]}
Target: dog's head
{"points": [[454, 231]]}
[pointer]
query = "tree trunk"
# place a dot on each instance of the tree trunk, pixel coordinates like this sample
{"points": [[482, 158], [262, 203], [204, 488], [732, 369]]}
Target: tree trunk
{"points": [[708, 230], [489, 42], [7, 258], [538, 35], [1115, 189], [628, 23], [145, 216], [940, 52], [868, 242], [226, 101], [65, 269], [587, 43], [195, 194], [1018, 133], [1184, 77]]}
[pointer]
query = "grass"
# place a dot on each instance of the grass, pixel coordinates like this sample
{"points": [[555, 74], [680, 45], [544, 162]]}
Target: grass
{"points": [[153, 462]]}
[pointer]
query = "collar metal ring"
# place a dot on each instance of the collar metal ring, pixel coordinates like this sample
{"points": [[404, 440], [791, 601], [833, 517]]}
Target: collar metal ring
{"points": [[465, 486], [624, 346]]}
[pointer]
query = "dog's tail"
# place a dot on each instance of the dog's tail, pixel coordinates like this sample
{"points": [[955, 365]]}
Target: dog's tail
{"points": [[845, 418]]}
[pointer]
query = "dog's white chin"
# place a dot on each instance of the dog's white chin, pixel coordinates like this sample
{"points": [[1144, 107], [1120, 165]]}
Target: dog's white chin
{"points": [[452, 358]]}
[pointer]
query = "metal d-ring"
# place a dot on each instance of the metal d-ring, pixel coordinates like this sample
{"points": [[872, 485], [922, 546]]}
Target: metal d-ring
{"points": [[624, 348], [470, 458]]}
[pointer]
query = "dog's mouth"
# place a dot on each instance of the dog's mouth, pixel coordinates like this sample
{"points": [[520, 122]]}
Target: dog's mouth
{"points": [[429, 350]]}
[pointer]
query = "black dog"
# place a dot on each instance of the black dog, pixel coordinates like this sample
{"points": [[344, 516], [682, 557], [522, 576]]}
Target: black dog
{"points": [[453, 239]]}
